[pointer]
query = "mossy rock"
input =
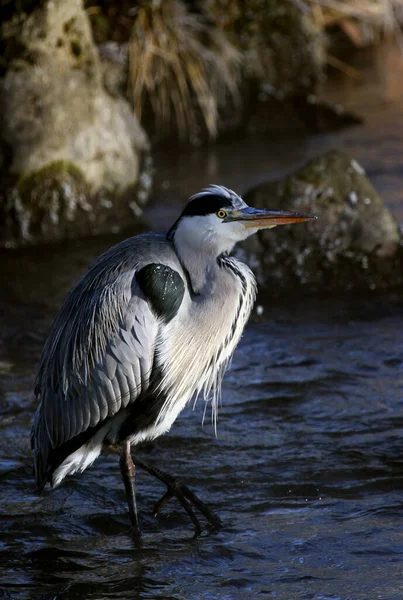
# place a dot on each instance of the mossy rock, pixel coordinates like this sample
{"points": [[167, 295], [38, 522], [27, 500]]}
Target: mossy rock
{"points": [[57, 202], [51, 199], [54, 107], [354, 244]]}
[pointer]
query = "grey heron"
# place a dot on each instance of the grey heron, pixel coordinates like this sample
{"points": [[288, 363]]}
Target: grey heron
{"points": [[152, 323]]}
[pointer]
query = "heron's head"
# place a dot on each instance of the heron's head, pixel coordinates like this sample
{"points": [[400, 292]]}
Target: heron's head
{"points": [[216, 218]]}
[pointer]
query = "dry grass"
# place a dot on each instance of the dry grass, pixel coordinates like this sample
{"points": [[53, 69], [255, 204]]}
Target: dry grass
{"points": [[181, 67], [363, 21]]}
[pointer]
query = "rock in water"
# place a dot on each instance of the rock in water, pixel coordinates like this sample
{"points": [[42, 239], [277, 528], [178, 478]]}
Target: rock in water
{"points": [[72, 155], [353, 245]]}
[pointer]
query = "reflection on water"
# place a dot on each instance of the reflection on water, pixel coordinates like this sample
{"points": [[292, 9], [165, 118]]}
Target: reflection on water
{"points": [[306, 471]]}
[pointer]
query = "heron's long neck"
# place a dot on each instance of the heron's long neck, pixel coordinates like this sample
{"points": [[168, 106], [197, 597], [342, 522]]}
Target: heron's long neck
{"points": [[201, 268], [198, 246]]}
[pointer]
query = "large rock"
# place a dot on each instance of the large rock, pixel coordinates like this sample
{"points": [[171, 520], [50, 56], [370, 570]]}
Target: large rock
{"points": [[57, 119], [283, 58], [279, 41], [353, 245], [282, 47]]}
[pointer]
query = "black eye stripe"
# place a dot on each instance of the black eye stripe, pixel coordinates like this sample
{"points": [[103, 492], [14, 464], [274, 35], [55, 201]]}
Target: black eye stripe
{"points": [[206, 205]]}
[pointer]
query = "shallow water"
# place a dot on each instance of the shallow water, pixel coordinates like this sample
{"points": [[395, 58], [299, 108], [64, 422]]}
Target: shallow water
{"points": [[306, 469], [306, 474]]}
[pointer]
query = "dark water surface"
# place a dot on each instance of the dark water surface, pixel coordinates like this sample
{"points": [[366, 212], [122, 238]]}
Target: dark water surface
{"points": [[307, 469]]}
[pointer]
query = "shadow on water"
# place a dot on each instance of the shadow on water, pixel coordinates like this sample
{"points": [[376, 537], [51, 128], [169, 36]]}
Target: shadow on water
{"points": [[306, 470]]}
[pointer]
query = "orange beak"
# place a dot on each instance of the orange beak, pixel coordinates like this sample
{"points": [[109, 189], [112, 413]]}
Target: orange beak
{"points": [[252, 217]]}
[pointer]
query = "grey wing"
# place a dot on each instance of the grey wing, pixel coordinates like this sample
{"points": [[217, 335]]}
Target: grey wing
{"points": [[118, 376], [97, 360]]}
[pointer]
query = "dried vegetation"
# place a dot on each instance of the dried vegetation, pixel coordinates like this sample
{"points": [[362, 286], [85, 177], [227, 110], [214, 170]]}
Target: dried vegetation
{"points": [[181, 67], [364, 22], [188, 59]]}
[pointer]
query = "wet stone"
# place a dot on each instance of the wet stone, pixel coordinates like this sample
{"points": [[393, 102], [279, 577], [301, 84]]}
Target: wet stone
{"points": [[353, 245]]}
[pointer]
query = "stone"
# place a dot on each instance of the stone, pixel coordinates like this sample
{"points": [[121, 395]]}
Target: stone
{"points": [[354, 245], [283, 60], [280, 45], [55, 111]]}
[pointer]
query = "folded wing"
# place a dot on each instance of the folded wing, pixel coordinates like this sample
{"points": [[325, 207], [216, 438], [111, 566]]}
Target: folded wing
{"points": [[97, 360]]}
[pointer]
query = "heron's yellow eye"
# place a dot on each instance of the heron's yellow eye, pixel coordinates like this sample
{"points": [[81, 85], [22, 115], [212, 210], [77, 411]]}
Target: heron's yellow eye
{"points": [[221, 214]]}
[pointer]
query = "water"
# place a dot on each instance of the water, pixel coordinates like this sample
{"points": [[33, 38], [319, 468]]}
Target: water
{"points": [[245, 162], [306, 469]]}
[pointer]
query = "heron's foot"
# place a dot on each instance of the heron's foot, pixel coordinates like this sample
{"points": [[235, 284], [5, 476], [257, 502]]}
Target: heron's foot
{"points": [[162, 501], [185, 496], [180, 491]]}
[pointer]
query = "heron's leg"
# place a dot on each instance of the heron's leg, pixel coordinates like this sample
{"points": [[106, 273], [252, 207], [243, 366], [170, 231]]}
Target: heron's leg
{"points": [[183, 494], [163, 500], [128, 471], [176, 491]]}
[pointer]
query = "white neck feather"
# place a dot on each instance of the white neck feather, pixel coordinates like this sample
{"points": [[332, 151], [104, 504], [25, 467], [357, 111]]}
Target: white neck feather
{"points": [[199, 240]]}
